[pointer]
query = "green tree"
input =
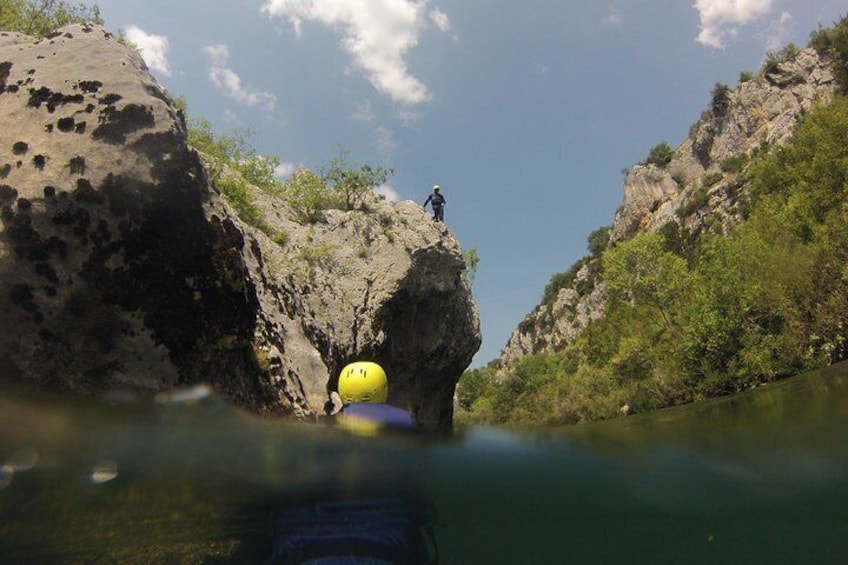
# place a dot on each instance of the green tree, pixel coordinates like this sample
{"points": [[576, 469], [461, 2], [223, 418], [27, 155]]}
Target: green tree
{"points": [[642, 272], [598, 241], [41, 17], [720, 103], [351, 184], [660, 155], [472, 259], [233, 165], [307, 195]]}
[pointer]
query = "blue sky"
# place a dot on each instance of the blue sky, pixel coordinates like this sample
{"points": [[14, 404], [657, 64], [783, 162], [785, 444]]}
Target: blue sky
{"points": [[525, 113]]}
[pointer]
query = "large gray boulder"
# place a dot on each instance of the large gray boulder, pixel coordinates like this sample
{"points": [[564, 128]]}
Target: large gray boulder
{"points": [[122, 266]]}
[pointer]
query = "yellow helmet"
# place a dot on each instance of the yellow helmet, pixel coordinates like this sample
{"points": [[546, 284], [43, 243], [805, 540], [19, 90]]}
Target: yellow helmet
{"points": [[363, 381]]}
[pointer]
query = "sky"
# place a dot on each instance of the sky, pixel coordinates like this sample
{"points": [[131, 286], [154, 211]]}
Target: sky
{"points": [[526, 113]]}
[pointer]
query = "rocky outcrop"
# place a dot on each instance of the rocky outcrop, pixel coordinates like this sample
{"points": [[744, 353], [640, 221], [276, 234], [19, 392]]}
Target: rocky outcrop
{"points": [[550, 326], [122, 266], [698, 189], [759, 113]]}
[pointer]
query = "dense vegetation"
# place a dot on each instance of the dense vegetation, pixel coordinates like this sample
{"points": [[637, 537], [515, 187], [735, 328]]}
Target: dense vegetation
{"points": [[41, 17], [690, 317], [235, 166]]}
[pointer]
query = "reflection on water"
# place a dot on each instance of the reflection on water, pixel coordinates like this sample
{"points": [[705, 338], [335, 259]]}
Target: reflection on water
{"points": [[185, 478]]}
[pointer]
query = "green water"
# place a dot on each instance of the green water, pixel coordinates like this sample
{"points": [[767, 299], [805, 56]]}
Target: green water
{"points": [[758, 478]]}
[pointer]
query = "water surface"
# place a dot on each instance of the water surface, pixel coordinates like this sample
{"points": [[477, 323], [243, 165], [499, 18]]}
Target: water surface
{"points": [[761, 477]]}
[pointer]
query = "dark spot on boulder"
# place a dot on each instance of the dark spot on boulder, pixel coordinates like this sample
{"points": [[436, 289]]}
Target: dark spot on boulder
{"points": [[90, 86], [101, 235], [44, 95], [5, 170], [110, 99], [49, 192], [21, 295], [39, 161], [80, 127], [124, 201], [77, 165], [57, 246], [69, 35], [7, 193], [12, 88], [30, 72], [5, 69], [65, 124], [116, 124], [20, 147], [75, 217], [86, 193], [48, 128], [46, 271], [19, 164], [89, 108], [155, 92]]}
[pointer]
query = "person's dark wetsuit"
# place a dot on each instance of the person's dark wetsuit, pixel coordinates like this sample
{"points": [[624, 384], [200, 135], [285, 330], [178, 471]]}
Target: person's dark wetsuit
{"points": [[438, 203], [383, 530]]}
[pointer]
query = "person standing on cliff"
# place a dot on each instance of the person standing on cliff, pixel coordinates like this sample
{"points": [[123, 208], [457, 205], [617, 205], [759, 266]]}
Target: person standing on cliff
{"points": [[438, 202]]}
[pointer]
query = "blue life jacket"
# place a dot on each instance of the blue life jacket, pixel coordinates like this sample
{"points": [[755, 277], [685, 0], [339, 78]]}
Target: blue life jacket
{"points": [[360, 532], [383, 415], [369, 531]]}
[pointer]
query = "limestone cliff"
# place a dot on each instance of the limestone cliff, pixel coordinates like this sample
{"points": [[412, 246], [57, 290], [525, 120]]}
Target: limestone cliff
{"points": [[122, 266], [698, 189]]}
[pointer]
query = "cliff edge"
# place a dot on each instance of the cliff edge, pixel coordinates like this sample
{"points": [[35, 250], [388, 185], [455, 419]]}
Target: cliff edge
{"points": [[121, 266]]}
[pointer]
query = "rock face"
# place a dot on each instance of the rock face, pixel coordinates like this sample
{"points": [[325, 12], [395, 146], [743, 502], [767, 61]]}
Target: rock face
{"points": [[760, 112], [698, 189], [550, 326], [121, 265]]}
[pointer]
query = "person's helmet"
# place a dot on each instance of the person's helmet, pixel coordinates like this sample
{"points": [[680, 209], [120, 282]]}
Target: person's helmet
{"points": [[363, 381], [436, 188]]}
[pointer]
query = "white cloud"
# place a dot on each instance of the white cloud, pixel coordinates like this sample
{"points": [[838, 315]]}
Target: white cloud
{"points": [[613, 17], [722, 18], [154, 48], [388, 192], [779, 31], [408, 118], [284, 170], [229, 82], [441, 20], [364, 113], [376, 33], [386, 141]]}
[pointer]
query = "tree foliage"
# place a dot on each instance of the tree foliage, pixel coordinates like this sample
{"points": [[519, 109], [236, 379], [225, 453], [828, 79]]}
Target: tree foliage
{"points": [[41, 17], [307, 195], [690, 317], [720, 100], [350, 184], [660, 155]]}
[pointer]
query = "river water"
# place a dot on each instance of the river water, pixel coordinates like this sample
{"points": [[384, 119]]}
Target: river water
{"points": [[761, 477]]}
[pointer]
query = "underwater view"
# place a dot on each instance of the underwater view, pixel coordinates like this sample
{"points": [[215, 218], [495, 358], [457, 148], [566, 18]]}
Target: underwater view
{"points": [[760, 477]]}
